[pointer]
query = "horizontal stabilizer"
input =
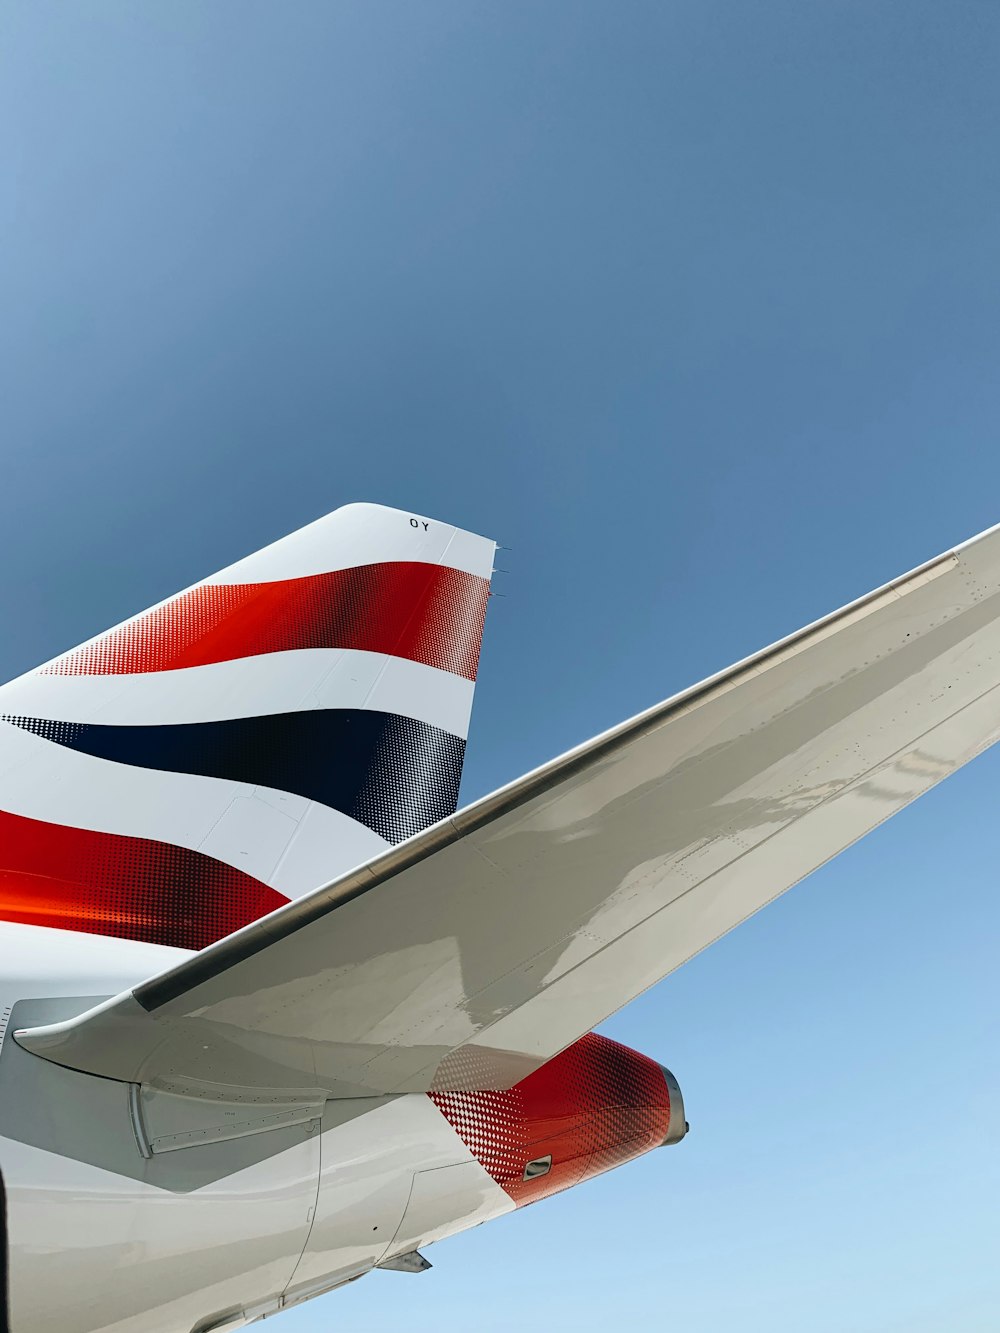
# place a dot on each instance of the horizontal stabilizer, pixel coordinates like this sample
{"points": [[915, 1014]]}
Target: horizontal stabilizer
{"points": [[477, 950]]}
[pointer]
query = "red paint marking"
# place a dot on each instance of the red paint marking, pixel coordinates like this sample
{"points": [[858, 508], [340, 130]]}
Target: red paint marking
{"points": [[427, 613], [109, 884], [592, 1107]]}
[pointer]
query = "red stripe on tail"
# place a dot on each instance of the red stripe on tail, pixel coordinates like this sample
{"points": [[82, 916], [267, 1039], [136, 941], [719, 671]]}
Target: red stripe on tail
{"points": [[109, 884], [427, 613]]}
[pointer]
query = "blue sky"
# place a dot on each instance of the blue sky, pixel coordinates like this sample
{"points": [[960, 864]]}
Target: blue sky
{"points": [[694, 305]]}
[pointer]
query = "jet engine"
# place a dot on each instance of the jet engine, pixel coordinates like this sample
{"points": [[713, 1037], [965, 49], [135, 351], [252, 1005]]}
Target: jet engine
{"points": [[594, 1106]]}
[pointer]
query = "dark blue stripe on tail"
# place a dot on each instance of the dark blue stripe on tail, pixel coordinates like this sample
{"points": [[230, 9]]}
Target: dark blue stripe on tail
{"points": [[391, 773]]}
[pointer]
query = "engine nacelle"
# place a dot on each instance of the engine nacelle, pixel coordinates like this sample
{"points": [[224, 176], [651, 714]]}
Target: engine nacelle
{"points": [[594, 1106]]}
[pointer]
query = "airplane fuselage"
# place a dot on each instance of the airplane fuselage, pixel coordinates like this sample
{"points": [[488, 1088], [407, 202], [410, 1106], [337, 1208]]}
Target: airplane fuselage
{"points": [[155, 1245], [216, 1226]]}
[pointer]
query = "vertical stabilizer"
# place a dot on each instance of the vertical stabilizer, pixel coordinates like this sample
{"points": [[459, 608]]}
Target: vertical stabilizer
{"points": [[249, 739]]}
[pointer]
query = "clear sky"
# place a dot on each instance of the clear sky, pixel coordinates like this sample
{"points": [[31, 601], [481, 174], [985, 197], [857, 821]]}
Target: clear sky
{"points": [[694, 305]]}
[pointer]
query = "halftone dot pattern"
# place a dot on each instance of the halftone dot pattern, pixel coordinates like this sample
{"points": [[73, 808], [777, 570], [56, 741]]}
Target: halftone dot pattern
{"points": [[426, 613], [595, 1105], [412, 779], [494, 1127], [136, 888], [391, 773], [467, 1069]]}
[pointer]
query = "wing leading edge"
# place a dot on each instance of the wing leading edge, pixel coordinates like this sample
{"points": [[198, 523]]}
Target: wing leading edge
{"points": [[474, 952]]}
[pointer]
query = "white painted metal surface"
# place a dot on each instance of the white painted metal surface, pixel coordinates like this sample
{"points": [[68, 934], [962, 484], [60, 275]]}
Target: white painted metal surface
{"points": [[93, 1249], [355, 535], [282, 682]]}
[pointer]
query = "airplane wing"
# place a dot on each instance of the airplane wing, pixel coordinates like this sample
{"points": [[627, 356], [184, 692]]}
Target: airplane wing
{"points": [[469, 955]]}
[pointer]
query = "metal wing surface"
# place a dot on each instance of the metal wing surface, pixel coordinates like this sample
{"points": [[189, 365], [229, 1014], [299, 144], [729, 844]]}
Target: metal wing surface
{"points": [[476, 951]]}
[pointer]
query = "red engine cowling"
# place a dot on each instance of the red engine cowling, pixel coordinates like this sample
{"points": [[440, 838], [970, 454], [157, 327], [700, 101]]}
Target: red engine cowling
{"points": [[595, 1105]]}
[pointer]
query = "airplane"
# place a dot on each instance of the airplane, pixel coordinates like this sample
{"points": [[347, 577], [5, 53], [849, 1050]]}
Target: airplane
{"points": [[274, 1013]]}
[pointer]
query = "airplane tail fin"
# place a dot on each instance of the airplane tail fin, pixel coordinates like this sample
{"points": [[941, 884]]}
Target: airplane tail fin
{"points": [[249, 739]]}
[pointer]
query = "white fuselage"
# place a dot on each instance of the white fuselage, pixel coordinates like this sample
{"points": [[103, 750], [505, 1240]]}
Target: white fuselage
{"points": [[102, 1238]]}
